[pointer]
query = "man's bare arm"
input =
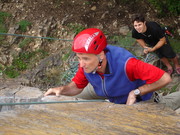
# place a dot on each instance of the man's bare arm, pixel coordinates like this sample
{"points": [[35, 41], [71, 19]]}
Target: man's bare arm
{"points": [[68, 90], [163, 81], [142, 43], [147, 88], [159, 44]]}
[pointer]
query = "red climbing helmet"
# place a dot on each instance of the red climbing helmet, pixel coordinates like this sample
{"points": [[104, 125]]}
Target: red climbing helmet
{"points": [[90, 40]]}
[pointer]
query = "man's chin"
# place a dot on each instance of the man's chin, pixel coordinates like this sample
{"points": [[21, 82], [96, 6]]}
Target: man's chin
{"points": [[86, 71], [139, 31]]}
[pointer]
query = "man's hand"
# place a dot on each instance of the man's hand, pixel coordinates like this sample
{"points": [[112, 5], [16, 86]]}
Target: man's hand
{"points": [[53, 91], [151, 49], [148, 50], [145, 50], [131, 98]]}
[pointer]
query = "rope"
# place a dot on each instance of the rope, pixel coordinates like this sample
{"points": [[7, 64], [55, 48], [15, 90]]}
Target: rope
{"points": [[18, 35], [34, 36], [68, 101], [150, 57]]}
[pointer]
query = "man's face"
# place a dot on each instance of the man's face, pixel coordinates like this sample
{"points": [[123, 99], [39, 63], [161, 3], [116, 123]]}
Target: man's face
{"points": [[140, 26], [87, 61]]}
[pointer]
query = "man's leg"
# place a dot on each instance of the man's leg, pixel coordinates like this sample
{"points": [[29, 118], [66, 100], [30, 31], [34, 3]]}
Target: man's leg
{"points": [[164, 53], [171, 100], [89, 93], [168, 65], [176, 64]]}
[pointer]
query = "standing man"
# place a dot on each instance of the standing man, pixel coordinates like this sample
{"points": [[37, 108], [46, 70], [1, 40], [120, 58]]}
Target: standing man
{"points": [[113, 72], [152, 38]]}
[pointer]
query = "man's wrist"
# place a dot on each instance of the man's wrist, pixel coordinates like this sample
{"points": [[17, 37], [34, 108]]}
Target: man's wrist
{"points": [[137, 92], [154, 48]]}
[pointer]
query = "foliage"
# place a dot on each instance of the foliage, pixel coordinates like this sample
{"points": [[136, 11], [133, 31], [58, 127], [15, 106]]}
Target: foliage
{"points": [[1, 69], [23, 24], [175, 44], [166, 7], [3, 16], [76, 28], [22, 62], [11, 72], [25, 42], [166, 91], [66, 56], [122, 41]]}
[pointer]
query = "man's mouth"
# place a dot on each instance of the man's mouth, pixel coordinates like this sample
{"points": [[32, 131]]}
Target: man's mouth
{"points": [[139, 30]]}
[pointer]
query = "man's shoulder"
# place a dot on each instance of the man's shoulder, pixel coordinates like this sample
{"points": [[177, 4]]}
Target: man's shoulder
{"points": [[152, 24], [134, 33]]}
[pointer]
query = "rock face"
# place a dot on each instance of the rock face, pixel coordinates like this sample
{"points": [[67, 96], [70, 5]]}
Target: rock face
{"points": [[79, 118], [12, 91], [91, 118], [83, 117]]}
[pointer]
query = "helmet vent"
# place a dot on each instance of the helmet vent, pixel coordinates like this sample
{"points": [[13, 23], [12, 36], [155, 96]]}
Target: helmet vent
{"points": [[100, 36], [95, 42], [96, 47]]}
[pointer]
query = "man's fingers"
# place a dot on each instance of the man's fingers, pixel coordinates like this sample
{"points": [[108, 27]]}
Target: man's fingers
{"points": [[49, 92], [52, 91], [131, 98], [57, 94]]}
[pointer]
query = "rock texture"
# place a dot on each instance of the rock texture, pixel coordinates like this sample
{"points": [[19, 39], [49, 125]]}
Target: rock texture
{"points": [[89, 118], [82, 118]]}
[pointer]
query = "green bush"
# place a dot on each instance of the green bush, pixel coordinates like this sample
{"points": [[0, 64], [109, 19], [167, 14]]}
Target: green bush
{"points": [[3, 29], [166, 7], [23, 25], [3, 16], [11, 72], [76, 28], [22, 62], [175, 44], [25, 42]]}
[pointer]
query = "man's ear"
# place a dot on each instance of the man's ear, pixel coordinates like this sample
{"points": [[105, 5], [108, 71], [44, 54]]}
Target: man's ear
{"points": [[101, 55]]}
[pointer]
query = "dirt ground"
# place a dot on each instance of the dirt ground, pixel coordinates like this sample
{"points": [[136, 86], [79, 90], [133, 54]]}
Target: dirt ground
{"points": [[88, 13]]}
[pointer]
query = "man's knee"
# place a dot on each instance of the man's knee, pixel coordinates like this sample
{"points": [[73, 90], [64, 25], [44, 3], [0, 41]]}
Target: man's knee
{"points": [[171, 100]]}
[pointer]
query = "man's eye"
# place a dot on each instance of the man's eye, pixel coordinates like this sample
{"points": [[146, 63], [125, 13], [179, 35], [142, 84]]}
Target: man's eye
{"points": [[86, 59]]}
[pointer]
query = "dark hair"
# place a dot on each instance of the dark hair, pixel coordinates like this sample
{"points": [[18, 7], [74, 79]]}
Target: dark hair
{"points": [[138, 18]]}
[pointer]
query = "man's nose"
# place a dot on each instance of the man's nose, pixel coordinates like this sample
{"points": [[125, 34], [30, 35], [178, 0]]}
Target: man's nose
{"points": [[137, 27]]}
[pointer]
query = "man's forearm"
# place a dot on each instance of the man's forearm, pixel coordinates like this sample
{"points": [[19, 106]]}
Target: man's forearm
{"points": [[142, 43], [161, 42], [163, 81], [70, 90]]}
